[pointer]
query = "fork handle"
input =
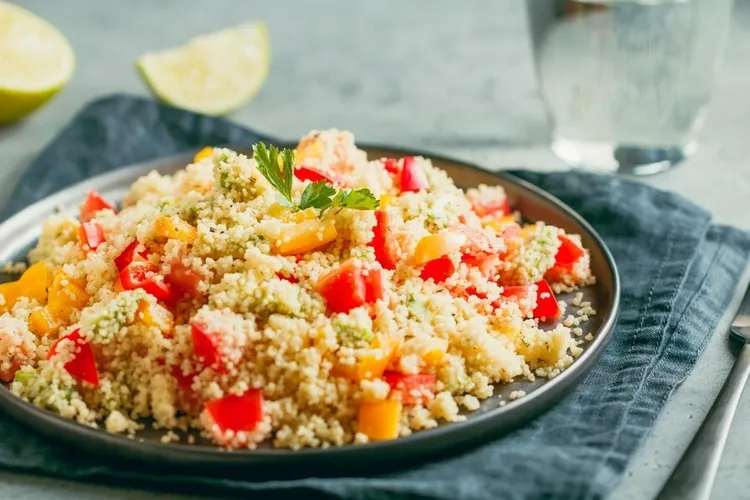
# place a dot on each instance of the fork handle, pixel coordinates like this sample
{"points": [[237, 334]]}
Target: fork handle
{"points": [[694, 475]]}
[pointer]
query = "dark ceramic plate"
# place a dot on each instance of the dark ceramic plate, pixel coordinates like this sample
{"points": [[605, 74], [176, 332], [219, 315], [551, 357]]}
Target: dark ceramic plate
{"points": [[20, 232]]}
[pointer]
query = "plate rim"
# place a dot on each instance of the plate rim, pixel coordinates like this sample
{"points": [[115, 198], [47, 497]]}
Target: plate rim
{"points": [[181, 453]]}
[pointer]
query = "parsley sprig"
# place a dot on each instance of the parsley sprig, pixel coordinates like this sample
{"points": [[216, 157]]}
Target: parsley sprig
{"points": [[319, 195]]}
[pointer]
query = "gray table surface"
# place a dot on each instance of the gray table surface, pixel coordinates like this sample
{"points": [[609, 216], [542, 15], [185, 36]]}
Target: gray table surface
{"points": [[454, 77]]}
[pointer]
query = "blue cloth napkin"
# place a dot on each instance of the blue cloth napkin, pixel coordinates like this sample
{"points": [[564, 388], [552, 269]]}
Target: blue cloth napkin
{"points": [[679, 272]]}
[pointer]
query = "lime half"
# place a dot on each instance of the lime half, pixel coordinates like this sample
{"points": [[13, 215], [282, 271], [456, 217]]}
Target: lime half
{"points": [[35, 62], [212, 74]]}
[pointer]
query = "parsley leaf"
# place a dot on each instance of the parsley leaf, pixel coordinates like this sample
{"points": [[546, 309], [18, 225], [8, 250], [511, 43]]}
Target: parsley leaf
{"points": [[356, 199], [317, 195], [320, 194], [268, 165]]}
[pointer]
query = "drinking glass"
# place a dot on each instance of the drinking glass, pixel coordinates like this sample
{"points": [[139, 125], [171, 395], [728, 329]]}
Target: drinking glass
{"points": [[626, 83]]}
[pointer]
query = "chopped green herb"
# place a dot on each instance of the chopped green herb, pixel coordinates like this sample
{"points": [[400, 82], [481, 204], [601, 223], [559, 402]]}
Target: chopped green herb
{"points": [[24, 376], [319, 195], [268, 165]]}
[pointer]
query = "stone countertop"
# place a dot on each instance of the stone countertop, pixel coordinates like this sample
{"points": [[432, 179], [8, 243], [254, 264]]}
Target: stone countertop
{"points": [[457, 79]]}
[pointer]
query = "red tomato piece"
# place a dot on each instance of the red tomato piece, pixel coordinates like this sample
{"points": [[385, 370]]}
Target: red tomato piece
{"points": [[413, 177], [136, 274], [94, 203], [184, 279], [516, 291], [205, 344], [383, 242], [498, 207], [290, 279], [127, 255], [414, 389], [91, 235], [373, 285], [344, 287], [184, 381], [568, 253], [391, 165], [237, 413], [159, 289], [83, 364], [546, 302], [438, 269], [313, 174]]}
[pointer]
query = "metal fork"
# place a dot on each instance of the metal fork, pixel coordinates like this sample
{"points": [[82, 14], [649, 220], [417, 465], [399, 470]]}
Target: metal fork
{"points": [[694, 475]]}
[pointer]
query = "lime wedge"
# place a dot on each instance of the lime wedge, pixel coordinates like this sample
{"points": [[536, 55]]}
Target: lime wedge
{"points": [[36, 61], [212, 74]]}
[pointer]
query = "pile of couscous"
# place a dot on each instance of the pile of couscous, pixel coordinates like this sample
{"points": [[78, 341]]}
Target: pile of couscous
{"points": [[307, 298]]}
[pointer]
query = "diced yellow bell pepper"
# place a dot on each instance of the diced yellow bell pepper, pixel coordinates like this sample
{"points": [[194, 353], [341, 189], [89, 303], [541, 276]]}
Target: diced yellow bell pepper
{"points": [[304, 237], [527, 230], [155, 315], [433, 357], [435, 246], [175, 229], [500, 223], [41, 321], [32, 284], [301, 216], [65, 297], [371, 366], [310, 150], [385, 200], [379, 420], [203, 154]]}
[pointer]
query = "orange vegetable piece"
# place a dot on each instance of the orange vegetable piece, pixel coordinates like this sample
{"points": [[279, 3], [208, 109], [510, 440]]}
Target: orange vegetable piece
{"points": [[175, 229], [379, 420], [155, 315], [204, 153], [304, 237], [435, 246], [65, 297], [42, 322], [33, 284]]}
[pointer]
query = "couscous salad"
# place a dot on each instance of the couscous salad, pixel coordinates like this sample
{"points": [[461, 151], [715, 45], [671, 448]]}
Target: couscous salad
{"points": [[307, 298]]}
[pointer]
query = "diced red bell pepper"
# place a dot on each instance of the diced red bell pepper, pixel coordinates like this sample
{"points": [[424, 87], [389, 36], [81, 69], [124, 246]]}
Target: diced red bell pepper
{"points": [[546, 302], [142, 274], [184, 381], [497, 207], [313, 174], [413, 177], [391, 165], [237, 413], [414, 389], [94, 203], [205, 344], [184, 279], [91, 235], [290, 278], [160, 289], [127, 255], [344, 287], [136, 274], [83, 364], [568, 253], [373, 285], [438, 269], [518, 292], [383, 242]]}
